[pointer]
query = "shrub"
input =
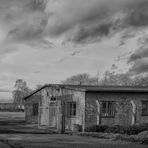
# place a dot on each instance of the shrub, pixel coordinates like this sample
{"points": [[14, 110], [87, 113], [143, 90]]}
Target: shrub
{"points": [[77, 127], [96, 128], [129, 130]]}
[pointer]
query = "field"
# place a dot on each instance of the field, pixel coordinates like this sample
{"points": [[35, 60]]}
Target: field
{"points": [[61, 141], [4, 116], [14, 133]]}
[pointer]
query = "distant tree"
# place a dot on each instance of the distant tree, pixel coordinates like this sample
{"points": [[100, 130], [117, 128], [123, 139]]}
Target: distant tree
{"points": [[38, 87], [20, 91], [81, 79], [110, 78], [141, 81]]}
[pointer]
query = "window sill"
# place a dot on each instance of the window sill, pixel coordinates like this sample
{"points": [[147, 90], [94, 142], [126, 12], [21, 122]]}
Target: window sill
{"points": [[144, 115], [107, 116], [34, 115], [71, 117]]}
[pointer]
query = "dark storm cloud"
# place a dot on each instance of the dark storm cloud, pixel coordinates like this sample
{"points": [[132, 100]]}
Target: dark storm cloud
{"points": [[137, 15], [80, 21], [108, 15], [139, 54], [139, 59], [86, 34], [139, 66]]}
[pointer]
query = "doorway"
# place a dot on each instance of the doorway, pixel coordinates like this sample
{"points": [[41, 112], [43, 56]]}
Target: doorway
{"points": [[53, 115]]}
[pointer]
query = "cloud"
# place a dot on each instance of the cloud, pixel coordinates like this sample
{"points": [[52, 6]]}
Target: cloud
{"points": [[36, 5], [87, 34], [139, 58], [7, 50], [139, 54], [78, 21], [41, 44], [5, 90], [27, 31], [96, 19], [139, 66], [138, 15], [27, 21]]}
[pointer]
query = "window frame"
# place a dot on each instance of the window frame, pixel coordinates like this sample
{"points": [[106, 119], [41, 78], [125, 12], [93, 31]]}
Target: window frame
{"points": [[71, 109], [109, 111], [144, 113]]}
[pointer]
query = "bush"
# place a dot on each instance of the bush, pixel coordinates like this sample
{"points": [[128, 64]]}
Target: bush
{"points": [[77, 128], [129, 130], [96, 128]]}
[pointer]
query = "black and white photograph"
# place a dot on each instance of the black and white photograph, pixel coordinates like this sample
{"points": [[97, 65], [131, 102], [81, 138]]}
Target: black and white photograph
{"points": [[73, 73]]}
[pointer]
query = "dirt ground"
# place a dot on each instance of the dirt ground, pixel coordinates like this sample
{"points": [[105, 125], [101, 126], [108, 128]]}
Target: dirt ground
{"points": [[16, 134], [61, 141]]}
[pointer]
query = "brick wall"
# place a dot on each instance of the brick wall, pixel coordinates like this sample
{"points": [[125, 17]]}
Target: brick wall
{"points": [[44, 100], [29, 118], [67, 95], [79, 98], [123, 108]]}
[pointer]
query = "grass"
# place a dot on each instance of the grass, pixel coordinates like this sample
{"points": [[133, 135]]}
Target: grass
{"points": [[4, 116], [64, 141]]}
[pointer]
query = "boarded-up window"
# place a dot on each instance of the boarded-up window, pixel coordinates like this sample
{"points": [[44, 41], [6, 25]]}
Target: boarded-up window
{"points": [[71, 109], [108, 109], [35, 109], [52, 109], [145, 108]]}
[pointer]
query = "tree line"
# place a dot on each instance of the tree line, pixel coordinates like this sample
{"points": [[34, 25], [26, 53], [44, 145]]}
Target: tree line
{"points": [[109, 79]]}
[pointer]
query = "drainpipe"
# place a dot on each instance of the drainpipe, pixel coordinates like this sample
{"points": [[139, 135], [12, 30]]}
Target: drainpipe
{"points": [[62, 113], [39, 107], [98, 112]]}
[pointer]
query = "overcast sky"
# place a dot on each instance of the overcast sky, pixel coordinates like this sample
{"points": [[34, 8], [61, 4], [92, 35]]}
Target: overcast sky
{"points": [[50, 40]]}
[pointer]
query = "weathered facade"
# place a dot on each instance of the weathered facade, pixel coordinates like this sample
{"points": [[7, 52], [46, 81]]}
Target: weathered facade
{"points": [[71, 106]]}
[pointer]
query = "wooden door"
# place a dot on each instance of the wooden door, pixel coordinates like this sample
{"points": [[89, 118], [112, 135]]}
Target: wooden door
{"points": [[52, 115]]}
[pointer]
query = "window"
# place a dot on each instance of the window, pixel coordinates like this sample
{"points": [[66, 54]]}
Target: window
{"points": [[145, 108], [52, 109], [108, 109], [71, 109], [53, 98], [35, 109]]}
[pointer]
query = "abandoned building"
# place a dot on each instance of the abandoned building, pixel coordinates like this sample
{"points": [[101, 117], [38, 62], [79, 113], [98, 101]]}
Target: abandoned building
{"points": [[69, 106]]}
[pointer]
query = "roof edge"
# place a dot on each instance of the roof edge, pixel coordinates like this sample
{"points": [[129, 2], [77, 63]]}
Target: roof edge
{"points": [[94, 88]]}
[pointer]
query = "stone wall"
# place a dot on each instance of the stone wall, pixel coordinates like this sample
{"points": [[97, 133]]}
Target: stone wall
{"points": [[123, 108], [79, 98], [62, 94], [44, 108], [29, 118]]}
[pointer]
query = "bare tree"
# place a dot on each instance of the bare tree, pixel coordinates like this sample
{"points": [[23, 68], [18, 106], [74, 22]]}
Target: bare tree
{"points": [[81, 79], [20, 91]]}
